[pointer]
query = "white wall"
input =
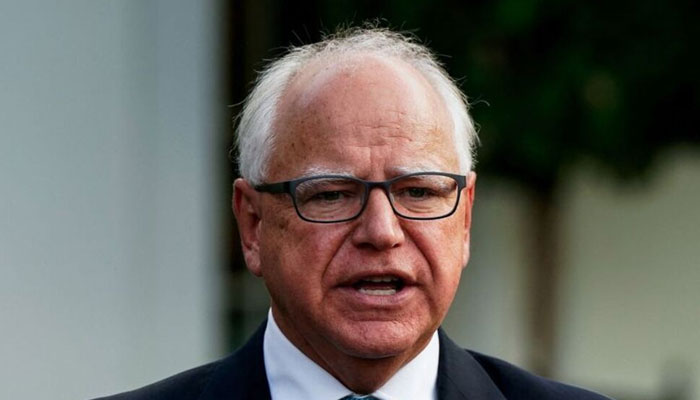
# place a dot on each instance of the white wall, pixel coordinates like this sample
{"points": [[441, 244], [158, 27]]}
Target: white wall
{"points": [[107, 257], [632, 280]]}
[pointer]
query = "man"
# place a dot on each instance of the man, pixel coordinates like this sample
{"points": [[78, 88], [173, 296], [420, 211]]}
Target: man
{"points": [[354, 207]]}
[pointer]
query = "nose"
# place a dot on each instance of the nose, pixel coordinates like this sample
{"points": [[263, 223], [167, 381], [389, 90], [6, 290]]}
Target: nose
{"points": [[378, 227]]}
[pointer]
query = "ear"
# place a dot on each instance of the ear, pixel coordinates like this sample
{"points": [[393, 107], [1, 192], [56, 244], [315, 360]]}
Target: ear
{"points": [[468, 198], [246, 207]]}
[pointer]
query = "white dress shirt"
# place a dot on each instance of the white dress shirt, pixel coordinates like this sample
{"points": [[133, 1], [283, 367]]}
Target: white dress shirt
{"points": [[293, 376]]}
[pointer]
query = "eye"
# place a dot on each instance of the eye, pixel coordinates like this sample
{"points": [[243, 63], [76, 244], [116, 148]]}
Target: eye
{"points": [[327, 196], [326, 191], [417, 192], [414, 193]]}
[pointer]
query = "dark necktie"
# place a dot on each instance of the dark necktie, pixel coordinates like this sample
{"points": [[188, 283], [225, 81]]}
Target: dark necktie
{"points": [[356, 397]]}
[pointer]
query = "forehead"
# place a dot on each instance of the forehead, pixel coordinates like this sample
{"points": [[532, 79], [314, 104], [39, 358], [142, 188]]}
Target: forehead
{"points": [[365, 112]]}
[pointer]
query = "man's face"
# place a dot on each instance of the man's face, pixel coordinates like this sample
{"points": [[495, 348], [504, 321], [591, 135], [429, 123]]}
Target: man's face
{"points": [[373, 119]]}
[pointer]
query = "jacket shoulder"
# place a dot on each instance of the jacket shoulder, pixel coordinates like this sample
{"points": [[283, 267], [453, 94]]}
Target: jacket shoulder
{"points": [[518, 384], [187, 385]]}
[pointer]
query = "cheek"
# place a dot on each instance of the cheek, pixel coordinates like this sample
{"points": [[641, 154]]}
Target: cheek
{"points": [[442, 244], [442, 247], [295, 252]]}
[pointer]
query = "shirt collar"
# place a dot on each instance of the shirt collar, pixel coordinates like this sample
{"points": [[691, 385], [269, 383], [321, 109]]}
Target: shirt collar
{"points": [[292, 375]]}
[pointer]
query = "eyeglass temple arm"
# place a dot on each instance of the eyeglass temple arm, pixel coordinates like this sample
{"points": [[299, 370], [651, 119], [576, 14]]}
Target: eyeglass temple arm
{"points": [[280, 187]]}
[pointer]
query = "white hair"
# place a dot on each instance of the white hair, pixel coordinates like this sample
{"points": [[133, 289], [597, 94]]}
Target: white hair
{"points": [[254, 136]]}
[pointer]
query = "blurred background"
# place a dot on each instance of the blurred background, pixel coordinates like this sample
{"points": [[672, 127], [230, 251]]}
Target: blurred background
{"points": [[119, 261]]}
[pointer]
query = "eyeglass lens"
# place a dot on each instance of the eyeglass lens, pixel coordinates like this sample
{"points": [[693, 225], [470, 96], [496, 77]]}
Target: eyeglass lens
{"points": [[413, 196]]}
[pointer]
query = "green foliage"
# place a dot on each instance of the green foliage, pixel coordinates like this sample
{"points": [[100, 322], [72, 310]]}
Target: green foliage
{"points": [[555, 81]]}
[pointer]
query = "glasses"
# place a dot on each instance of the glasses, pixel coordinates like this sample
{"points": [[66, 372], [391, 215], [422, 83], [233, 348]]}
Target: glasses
{"points": [[338, 198]]}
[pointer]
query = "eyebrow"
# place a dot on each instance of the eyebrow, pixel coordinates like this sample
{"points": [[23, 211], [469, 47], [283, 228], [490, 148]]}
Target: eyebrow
{"points": [[393, 171], [404, 170], [314, 170]]}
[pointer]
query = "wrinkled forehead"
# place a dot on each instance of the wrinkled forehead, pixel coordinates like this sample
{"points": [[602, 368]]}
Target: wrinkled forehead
{"points": [[361, 101]]}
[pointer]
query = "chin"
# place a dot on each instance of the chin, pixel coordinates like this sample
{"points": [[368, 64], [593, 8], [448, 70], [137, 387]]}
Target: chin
{"points": [[379, 339]]}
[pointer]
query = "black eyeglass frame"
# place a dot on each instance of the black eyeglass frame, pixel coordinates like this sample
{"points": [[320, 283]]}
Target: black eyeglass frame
{"points": [[289, 188]]}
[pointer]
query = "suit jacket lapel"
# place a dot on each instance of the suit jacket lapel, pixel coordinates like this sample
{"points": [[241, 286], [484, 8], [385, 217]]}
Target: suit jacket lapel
{"points": [[241, 375], [460, 376]]}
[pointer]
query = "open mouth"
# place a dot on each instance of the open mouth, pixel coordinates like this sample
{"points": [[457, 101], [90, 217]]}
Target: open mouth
{"points": [[379, 285]]}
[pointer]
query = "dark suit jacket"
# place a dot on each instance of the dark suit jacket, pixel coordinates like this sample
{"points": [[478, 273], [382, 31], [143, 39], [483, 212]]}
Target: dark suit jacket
{"points": [[462, 374]]}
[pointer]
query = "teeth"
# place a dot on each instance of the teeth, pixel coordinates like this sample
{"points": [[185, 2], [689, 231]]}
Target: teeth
{"points": [[385, 285], [378, 292], [381, 279]]}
